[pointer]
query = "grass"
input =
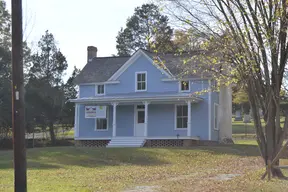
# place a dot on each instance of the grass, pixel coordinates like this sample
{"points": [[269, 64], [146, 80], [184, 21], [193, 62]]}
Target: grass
{"points": [[165, 169]]}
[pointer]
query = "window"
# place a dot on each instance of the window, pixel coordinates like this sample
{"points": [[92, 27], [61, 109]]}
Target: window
{"points": [[216, 116], [185, 86], [102, 124], [181, 116], [100, 90], [141, 83]]}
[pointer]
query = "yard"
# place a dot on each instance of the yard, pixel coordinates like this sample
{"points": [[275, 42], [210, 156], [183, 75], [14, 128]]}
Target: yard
{"points": [[142, 169]]}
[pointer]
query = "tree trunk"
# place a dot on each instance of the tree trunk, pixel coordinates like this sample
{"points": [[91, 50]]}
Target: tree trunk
{"points": [[52, 134]]}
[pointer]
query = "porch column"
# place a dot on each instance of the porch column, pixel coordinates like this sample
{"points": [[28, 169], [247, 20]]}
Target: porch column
{"points": [[189, 119], [146, 103], [76, 120], [114, 118]]}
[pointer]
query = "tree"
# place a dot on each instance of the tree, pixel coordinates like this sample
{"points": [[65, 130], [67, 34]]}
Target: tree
{"points": [[44, 91], [247, 44], [69, 92], [187, 40], [146, 29]]}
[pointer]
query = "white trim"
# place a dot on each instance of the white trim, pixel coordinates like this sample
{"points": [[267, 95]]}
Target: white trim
{"points": [[76, 133], [189, 119], [193, 99], [107, 117], [114, 119], [151, 138], [216, 104], [184, 79], [209, 110], [96, 90], [146, 103], [180, 86], [78, 119], [78, 89], [100, 83], [140, 72], [130, 61], [175, 117]]}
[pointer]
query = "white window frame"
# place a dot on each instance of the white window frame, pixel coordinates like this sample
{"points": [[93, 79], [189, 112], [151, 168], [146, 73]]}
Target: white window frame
{"points": [[175, 117], [96, 89], [136, 82], [107, 117], [180, 86], [216, 125]]}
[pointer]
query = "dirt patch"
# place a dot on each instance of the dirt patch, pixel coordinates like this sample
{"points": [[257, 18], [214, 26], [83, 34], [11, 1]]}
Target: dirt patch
{"points": [[143, 189], [224, 177]]}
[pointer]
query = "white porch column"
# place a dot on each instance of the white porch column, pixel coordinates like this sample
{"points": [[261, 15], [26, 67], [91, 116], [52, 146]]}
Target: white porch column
{"points": [[146, 103], [189, 119], [76, 120], [114, 118]]}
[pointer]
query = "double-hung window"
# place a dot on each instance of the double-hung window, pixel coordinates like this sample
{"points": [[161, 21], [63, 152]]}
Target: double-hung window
{"points": [[102, 123], [141, 81], [181, 116]]}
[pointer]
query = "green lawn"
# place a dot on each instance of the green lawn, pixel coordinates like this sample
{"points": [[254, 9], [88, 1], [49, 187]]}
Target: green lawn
{"points": [[131, 169]]}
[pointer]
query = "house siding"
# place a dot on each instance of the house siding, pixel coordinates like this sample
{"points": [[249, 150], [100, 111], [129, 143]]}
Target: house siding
{"points": [[86, 91], [161, 122]]}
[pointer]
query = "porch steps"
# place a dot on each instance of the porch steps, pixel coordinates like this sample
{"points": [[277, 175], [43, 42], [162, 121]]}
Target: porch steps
{"points": [[126, 142]]}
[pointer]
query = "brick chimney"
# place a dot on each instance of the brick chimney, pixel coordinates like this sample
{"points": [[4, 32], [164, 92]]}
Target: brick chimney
{"points": [[91, 53]]}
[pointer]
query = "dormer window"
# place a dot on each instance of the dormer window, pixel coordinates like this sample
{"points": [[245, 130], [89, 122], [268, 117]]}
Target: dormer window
{"points": [[141, 81], [185, 86], [100, 89]]}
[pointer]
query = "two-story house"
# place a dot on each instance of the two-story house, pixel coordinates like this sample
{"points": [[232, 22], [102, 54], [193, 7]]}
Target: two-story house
{"points": [[130, 101]]}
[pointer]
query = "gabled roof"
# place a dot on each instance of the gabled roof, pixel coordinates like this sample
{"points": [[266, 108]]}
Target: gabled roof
{"points": [[102, 69]]}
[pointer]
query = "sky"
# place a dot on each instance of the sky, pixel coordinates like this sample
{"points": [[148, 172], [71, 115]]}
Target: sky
{"points": [[77, 24]]}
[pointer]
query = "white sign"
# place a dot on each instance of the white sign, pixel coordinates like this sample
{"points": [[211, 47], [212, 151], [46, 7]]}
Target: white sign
{"points": [[95, 111]]}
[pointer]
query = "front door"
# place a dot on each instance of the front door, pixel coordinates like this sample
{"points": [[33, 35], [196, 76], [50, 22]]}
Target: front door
{"points": [[140, 121]]}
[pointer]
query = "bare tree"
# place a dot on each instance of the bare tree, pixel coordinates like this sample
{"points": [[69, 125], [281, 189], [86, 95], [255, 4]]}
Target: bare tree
{"points": [[247, 44]]}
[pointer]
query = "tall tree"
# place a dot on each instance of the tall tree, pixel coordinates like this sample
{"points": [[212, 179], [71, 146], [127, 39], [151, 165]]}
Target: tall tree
{"points": [[250, 39], [70, 92], [146, 29], [44, 91]]}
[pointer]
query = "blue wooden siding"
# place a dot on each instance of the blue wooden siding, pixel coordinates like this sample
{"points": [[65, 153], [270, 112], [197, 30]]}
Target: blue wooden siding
{"points": [[161, 122], [154, 76], [87, 125], [87, 91]]}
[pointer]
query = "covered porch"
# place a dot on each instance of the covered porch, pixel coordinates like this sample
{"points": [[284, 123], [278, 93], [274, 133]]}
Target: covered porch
{"points": [[137, 117]]}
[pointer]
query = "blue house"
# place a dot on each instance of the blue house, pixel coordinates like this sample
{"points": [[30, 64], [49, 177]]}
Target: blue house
{"points": [[137, 101]]}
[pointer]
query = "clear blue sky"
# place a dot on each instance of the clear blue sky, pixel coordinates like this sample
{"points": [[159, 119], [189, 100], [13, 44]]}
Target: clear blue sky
{"points": [[77, 24]]}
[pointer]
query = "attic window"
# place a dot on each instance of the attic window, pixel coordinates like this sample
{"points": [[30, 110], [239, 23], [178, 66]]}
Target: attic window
{"points": [[141, 81], [185, 86]]}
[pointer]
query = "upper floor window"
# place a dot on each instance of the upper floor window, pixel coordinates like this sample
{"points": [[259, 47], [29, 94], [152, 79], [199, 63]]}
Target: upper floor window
{"points": [[100, 90], [141, 81], [184, 85]]}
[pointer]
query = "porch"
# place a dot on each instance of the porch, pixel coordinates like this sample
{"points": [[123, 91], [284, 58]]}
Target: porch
{"points": [[133, 121]]}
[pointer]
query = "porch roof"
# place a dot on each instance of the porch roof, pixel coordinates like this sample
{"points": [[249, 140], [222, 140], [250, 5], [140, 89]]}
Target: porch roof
{"points": [[138, 98]]}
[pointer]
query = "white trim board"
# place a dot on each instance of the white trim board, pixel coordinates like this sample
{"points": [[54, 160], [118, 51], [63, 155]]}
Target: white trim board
{"points": [[100, 83], [209, 110], [216, 104], [130, 61]]}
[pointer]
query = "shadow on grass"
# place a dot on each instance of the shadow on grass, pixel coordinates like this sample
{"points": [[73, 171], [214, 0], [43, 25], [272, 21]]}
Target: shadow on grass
{"points": [[60, 157]]}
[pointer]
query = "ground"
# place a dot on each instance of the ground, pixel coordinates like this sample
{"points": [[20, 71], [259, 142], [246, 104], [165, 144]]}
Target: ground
{"points": [[142, 169]]}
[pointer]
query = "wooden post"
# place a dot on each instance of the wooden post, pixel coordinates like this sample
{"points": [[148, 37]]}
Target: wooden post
{"points": [[18, 112]]}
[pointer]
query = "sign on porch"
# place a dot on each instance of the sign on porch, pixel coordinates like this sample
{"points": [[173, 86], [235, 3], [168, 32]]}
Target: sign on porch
{"points": [[95, 111]]}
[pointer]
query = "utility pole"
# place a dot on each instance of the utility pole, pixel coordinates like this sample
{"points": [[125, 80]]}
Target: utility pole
{"points": [[18, 110]]}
